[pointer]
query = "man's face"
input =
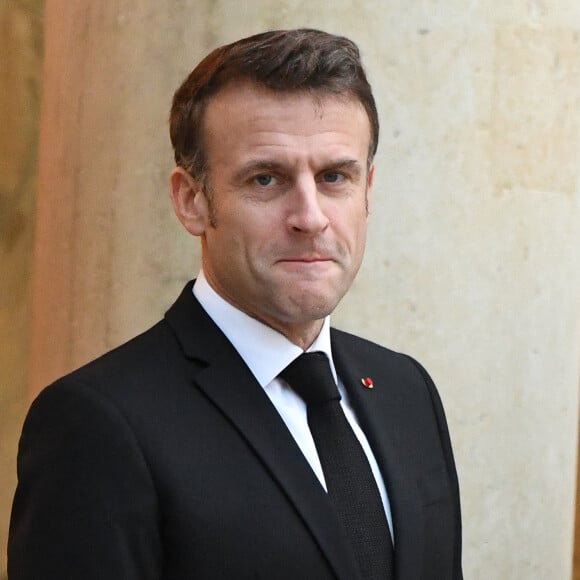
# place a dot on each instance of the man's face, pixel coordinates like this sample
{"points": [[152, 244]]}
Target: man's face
{"points": [[289, 184]]}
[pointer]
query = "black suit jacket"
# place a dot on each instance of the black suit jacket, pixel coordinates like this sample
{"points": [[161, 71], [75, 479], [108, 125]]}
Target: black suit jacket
{"points": [[165, 459]]}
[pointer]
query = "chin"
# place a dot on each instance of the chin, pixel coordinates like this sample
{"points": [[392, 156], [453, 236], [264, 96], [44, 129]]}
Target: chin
{"points": [[313, 309]]}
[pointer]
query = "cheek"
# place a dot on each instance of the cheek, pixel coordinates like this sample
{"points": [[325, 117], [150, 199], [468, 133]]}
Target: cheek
{"points": [[351, 226], [242, 239]]}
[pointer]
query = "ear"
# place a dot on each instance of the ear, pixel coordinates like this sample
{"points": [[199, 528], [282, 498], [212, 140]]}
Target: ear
{"points": [[370, 181], [371, 176], [189, 201]]}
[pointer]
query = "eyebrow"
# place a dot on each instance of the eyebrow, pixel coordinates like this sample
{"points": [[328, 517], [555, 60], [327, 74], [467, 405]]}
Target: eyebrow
{"points": [[258, 165], [351, 164], [270, 165]]}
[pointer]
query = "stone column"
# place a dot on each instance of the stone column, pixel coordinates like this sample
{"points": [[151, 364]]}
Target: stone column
{"points": [[108, 255], [20, 66], [473, 263]]}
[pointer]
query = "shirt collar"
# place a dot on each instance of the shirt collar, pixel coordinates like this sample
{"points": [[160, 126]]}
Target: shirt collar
{"points": [[265, 351]]}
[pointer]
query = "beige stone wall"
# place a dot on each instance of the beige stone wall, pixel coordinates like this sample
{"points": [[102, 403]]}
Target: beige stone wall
{"points": [[473, 262], [20, 61], [476, 267]]}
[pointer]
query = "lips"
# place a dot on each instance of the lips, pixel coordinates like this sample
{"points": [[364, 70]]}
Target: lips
{"points": [[313, 255], [306, 259]]}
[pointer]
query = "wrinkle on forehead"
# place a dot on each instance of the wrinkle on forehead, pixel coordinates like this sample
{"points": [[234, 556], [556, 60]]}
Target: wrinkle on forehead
{"points": [[246, 122], [287, 99]]}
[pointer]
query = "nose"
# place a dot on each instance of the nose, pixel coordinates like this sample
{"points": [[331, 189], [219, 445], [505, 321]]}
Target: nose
{"points": [[306, 215]]}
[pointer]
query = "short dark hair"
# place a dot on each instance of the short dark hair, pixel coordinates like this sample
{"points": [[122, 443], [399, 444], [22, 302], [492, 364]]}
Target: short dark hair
{"points": [[280, 60]]}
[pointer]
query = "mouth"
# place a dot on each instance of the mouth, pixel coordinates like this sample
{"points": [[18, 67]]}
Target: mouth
{"points": [[305, 260], [306, 266]]}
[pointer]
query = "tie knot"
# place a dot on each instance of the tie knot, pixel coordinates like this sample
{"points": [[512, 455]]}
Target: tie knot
{"points": [[310, 376]]}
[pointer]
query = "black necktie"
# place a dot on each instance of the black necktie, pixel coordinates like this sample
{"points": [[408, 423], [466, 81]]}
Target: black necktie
{"points": [[349, 479]]}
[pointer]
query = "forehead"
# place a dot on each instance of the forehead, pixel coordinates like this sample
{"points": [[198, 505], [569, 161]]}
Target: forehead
{"points": [[245, 116]]}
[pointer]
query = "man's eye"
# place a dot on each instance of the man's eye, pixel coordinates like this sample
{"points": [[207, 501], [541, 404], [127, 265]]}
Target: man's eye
{"points": [[264, 179], [332, 177]]}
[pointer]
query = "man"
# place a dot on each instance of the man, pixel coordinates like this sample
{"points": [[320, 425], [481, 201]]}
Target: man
{"points": [[189, 452]]}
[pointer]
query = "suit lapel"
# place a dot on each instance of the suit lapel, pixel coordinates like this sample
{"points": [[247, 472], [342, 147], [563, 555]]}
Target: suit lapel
{"points": [[228, 382], [382, 414]]}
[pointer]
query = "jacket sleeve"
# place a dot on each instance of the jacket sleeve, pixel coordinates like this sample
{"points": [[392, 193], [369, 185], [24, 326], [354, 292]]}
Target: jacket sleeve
{"points": [[450, 462], [85, 505]]}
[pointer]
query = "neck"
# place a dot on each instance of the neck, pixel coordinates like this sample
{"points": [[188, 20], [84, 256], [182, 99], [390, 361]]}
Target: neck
{"points": [[301, 334]]}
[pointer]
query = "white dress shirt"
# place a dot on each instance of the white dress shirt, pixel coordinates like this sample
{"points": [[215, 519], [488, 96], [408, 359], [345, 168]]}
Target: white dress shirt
{"points": [[267, 352]]}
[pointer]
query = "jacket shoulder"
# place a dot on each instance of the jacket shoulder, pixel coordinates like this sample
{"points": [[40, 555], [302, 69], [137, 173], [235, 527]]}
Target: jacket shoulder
{"points": [[371, 352], [137, 365]]}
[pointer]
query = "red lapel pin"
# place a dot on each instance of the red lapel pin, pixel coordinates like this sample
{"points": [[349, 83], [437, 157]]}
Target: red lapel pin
{"points": [[367, 382]]}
